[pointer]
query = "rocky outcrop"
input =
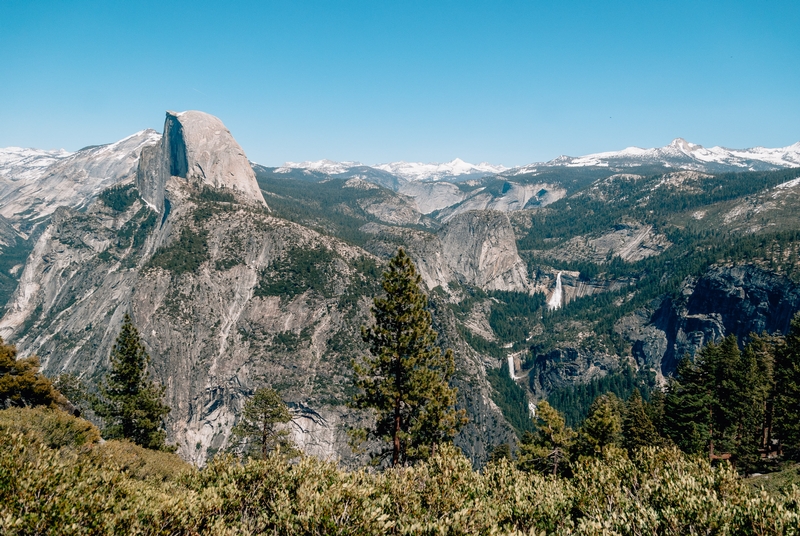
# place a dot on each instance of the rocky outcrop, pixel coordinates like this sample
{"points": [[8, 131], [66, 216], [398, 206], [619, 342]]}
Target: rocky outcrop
{"points": [[568, 366], [197, 147], [432, 196], [32, 194], [480, 247], [511, 197], [737, 300]]}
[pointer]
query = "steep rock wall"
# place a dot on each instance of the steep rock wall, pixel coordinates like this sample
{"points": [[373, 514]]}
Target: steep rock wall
{"points": [[737, 300], [197, 147]]}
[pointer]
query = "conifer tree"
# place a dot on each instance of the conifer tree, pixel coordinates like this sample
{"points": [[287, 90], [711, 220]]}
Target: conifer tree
{"points": [[787, 391], [405, 381], [655, 410], [687, 407], [256, 430], [548, 449], [131, 404], [602, 427], [500, 452], [637, 428], [763, 349]]}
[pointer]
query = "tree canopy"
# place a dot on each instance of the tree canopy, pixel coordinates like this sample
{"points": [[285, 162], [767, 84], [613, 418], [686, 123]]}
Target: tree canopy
{"points": [[257, 431], [405, 380], [130, 403], [22, 385]]}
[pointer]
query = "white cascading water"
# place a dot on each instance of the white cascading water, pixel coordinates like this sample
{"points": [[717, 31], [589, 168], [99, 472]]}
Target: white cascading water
{"points": [[555, 299], [511, 366]]}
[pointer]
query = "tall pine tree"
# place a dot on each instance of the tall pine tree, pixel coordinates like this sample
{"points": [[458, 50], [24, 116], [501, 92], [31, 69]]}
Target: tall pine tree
{"points": [[257, 431], [405, 380], [131, 404], [548, 449], [637, 429], [602, 427], [787, 391]]}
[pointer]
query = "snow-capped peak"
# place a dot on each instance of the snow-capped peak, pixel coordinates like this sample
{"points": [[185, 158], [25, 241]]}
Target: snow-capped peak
{"points": [[681, 154], [20, 164], [323, 166], [410, 171], [415, 171]]}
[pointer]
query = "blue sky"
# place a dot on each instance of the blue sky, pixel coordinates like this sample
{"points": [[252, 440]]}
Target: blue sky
{"points": [[502, 81]]}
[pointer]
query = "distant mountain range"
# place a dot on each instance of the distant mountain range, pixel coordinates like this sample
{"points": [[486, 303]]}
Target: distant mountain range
{"points": [[680, 154]]}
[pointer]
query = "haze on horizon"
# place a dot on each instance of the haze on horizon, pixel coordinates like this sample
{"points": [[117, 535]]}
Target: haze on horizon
{"points": [[507, 83]]}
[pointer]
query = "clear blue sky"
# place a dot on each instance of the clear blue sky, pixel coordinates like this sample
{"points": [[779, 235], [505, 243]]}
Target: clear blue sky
{"points": [[508, 82]]}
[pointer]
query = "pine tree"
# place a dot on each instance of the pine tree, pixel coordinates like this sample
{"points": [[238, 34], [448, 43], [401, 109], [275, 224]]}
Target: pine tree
{"points": [[602, 427], [501, 452], [405, 380], [256, 430], [687, 407], [655, 409], [763, 349], [787, 391], [131, 404], [547, 450], [637, 429]]}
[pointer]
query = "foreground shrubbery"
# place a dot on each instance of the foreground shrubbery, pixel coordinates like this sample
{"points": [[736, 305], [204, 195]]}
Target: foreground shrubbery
{"points": [[118, 488]]}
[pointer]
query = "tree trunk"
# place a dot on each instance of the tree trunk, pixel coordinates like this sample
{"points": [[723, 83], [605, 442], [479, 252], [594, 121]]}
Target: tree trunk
{"points": [[264, 439], [396, 434], [711, 434]]}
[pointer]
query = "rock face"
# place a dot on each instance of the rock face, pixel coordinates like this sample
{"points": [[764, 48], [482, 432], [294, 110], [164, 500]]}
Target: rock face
{"points": [[737, 300], [197, 147], [481, 248], [568, 367], [510, 198], [476, 248], [227, 298], [31, 193]]}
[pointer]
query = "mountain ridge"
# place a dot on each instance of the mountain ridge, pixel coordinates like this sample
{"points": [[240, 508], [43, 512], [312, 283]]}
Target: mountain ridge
{"points": [[228, 292], [677, 154]]}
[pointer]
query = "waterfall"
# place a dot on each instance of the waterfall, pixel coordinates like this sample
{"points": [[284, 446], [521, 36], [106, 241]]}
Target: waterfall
{"points": [[511, 366], [555, 299]]}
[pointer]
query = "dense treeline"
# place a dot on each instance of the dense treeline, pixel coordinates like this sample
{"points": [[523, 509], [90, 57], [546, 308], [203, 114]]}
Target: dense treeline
{"points": [[574, 401], [580, 215], [729, 403]]}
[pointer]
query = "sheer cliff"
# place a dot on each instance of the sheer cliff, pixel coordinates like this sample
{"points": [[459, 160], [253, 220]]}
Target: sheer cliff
{"points": [[227, 297]]}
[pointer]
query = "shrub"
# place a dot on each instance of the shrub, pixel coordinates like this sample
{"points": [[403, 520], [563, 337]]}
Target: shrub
{"points": [[21, 384], [51, 427]]}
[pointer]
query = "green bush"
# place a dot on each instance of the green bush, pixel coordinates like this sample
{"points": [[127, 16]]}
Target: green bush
{"points": [[657, 491], [138, 462], [50, 427]]}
